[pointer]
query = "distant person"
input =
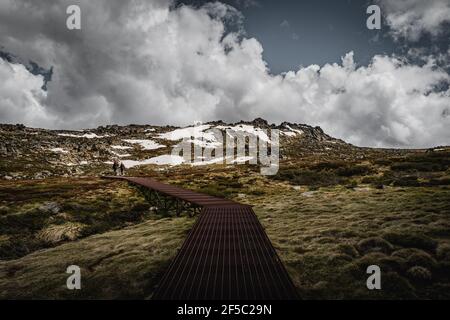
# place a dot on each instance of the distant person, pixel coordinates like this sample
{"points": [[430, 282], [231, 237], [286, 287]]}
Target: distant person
{"points": [[122, 168], [115, 166]]}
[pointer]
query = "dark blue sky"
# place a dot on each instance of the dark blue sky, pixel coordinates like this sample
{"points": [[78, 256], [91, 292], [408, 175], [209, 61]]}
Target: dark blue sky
{"points": [[297, 33]]}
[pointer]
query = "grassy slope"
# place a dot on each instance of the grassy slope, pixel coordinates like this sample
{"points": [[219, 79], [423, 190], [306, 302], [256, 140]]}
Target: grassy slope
{"points": [[328, 238], [326, 231], [45, 213], [123, 264], [120, 245]]}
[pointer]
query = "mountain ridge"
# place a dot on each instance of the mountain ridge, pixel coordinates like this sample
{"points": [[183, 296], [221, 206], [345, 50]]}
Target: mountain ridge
{"points": [[36, 153]]}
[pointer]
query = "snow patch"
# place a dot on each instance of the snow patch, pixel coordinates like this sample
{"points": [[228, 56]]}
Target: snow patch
{"points": [[121, 147], [294, 130], [188, 132], [120, 155], [207, 162], [145, 144], [193, 134], [248, 129], [89, 135], [166, 159], [242, 159], [205, 143], [59, 150], [221, 160]]}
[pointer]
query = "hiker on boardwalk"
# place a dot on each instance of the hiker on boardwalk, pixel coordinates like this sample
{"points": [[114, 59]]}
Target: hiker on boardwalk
{"points": [[122, 168], [115, 166]]}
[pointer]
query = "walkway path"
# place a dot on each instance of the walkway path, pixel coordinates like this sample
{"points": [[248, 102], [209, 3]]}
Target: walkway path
{"points": [[226, 256]]}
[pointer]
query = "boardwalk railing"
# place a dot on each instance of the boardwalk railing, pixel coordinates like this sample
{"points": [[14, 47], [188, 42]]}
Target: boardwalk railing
{"points": [[226, 256]]}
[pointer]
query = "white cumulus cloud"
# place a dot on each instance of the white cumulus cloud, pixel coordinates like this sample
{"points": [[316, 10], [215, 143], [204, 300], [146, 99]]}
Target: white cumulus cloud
{"points": [[21, 96], [410, 19], [153, 63]]}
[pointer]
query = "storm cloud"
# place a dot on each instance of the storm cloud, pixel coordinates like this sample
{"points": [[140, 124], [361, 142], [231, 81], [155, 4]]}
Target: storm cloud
{"points": [[160, 63]]}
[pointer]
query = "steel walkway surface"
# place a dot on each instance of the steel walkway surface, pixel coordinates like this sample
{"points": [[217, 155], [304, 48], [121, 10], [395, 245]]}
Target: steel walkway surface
{"points": [[226, 256]]}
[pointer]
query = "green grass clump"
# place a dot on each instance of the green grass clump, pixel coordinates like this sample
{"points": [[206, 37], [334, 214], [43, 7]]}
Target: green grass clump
{"points": [[353, 170], [328, 239], [419, 273], [443, 252], [309, 177], [417, 166], [45, 213], [407, 181], [374, 244], [408, 240], [216, 191], [121, 264]]}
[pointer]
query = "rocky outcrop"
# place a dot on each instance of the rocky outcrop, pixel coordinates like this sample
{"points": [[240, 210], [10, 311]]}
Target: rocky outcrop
{"points": [[29, 153]]}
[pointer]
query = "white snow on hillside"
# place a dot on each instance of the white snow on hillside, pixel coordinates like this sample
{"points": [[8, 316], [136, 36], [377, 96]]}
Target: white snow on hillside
{"points": [[174, 160], [205, 143], [198, 135], [204, 137], [89, 135], [242, 159], [121, 155], [222, 160], [289, 133], [59, 150], [188, 132], [294, 130], [247, 129], [121, 147], [145, 144], [207, 162], [166, 159]]}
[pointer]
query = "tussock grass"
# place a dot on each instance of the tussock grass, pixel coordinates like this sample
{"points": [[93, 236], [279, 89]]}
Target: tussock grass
{"points": [[37, 215], [328, 220], [125, 264], [328, 240]]}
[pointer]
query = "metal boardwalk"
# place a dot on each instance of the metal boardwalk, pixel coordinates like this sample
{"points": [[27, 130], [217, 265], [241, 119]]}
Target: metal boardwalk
{"points": [[226, 256]]}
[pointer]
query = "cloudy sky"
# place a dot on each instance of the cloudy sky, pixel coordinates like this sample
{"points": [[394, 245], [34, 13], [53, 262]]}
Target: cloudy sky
{"points": [[176, 62]]}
